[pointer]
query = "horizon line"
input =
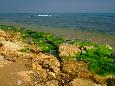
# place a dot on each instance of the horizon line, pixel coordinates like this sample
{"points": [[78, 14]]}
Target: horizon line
{"points": [[57, 12]]}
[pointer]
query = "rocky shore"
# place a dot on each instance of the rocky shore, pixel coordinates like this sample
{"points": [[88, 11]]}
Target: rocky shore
{"points": [[23, 63]]}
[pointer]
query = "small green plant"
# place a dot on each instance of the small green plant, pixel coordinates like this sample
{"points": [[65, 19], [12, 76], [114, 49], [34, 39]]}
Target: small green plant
{"points": [[46, 47], [84, 43], [99, 59]]}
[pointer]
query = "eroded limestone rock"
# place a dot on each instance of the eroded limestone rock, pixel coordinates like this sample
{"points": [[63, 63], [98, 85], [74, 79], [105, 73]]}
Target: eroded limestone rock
{"points": [[68, 50]]}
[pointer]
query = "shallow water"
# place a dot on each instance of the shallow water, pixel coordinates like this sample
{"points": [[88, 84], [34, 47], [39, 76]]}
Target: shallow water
{"points": [[97, 27], [100, 22]]}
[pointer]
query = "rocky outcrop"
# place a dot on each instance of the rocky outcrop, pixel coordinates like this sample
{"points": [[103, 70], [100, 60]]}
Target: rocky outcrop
{"points": [[45, 69], [46, 66], [75, 68], [10, 46], [3, 34], [68, 50], [49, 83]]}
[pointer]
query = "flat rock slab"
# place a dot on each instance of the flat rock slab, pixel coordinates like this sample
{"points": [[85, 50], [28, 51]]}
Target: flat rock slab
{"points": [[8, 74]]}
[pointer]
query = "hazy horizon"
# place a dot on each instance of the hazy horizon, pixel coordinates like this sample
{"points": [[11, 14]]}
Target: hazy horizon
{"points": [[57, 6], [61, 12]]}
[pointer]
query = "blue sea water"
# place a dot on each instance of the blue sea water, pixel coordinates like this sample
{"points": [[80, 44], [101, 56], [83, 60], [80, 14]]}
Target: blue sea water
{"points": [[99, 22]]}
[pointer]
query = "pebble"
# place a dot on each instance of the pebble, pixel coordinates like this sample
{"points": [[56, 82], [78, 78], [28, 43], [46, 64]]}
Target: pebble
{"points": [[19, 82], [53, 74], [1, 58]]}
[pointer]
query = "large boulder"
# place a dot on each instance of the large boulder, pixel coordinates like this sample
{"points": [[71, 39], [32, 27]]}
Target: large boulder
{"points": [[48, 62]]}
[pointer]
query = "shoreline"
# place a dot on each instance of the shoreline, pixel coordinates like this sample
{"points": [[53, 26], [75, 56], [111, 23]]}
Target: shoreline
{"points": [[70, 34], [43, 57]]}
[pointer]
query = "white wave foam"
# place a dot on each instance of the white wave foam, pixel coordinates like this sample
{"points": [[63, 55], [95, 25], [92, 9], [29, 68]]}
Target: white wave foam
{"points": [[45, 15]]}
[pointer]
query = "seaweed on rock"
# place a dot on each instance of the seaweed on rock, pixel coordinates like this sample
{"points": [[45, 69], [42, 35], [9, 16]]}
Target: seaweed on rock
{"points": [[98, 57]]}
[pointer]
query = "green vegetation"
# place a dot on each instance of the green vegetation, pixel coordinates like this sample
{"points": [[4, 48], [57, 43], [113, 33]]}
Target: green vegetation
{"points": [[45, 41], [97, 56], [4, 27], [83, 43]]}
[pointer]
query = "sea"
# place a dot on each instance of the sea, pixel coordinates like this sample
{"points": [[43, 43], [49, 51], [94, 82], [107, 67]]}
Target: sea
{"points": [[100, 22], [85, 26]]}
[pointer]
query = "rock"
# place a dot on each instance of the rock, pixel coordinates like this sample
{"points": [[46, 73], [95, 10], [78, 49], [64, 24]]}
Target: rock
{"points": [[52, 83], [19, 82], [36, 66], [111, 81], [48, 62], [35, 50], [1, 44], [10, 46], [4, 62], [24, 75], [1, 58], [52, 74], [68, 50], [82, 82], [46, 66], [102, 79], [40, 84], [42, 74], [2, 33], [75, 68]]}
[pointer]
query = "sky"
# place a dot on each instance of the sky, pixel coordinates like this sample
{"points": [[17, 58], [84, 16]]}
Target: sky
{"points": [[57, 6]]}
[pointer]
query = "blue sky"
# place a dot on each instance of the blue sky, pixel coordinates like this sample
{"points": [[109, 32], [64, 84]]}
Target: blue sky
{"points": [[58, 6]]}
